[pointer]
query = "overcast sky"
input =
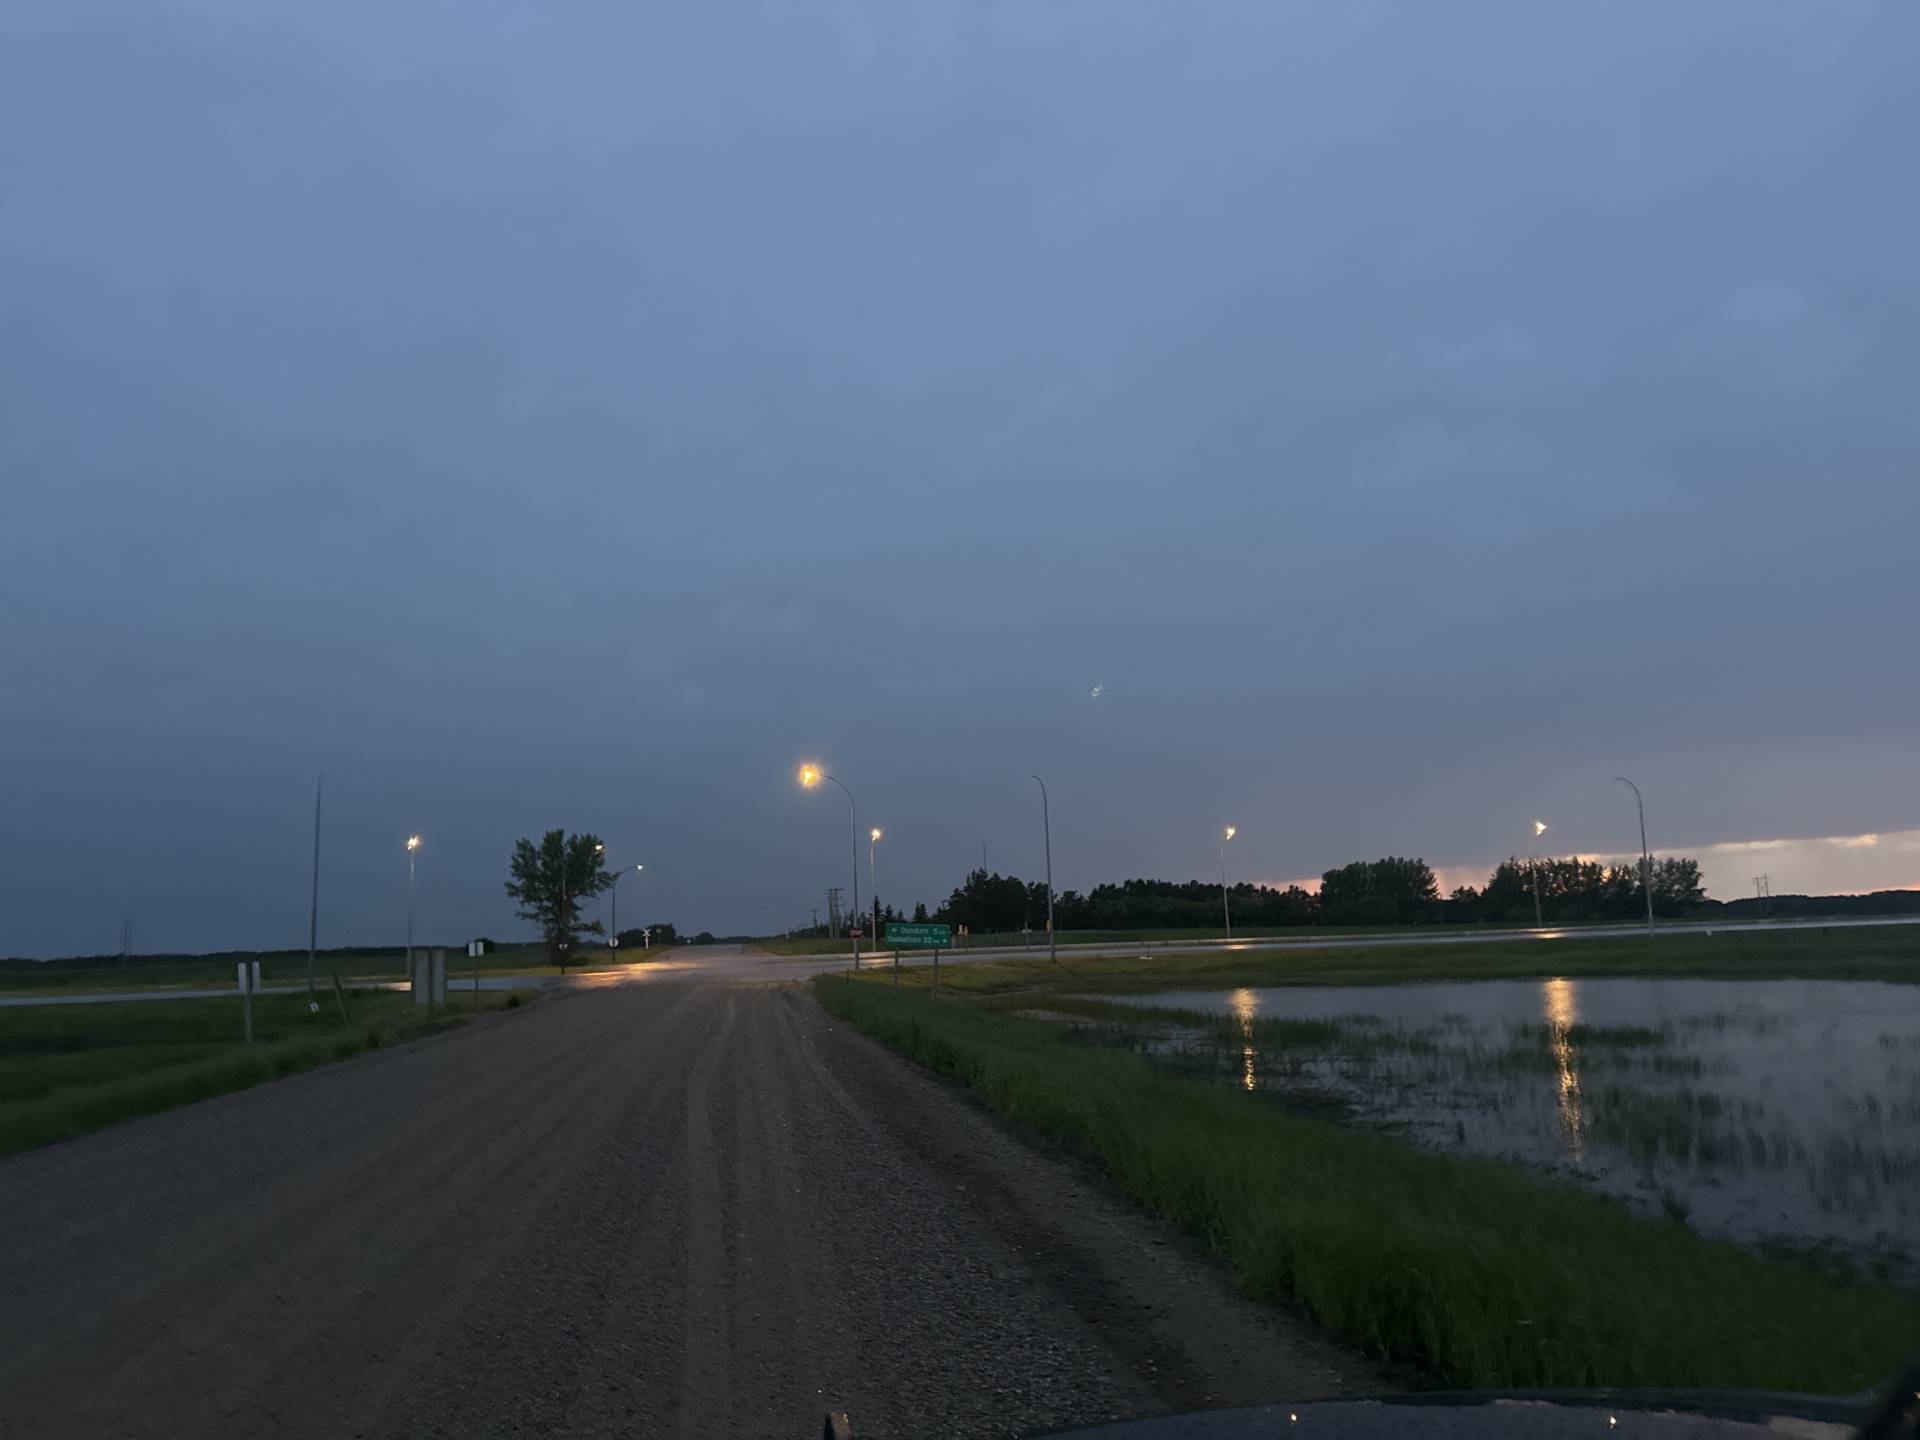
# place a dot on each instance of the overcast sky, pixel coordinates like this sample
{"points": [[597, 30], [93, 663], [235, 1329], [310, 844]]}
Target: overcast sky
{"points": [[1407, 416]]}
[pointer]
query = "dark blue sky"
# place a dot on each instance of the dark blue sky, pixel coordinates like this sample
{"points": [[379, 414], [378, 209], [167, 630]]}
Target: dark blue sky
{"points": [[1411, 415]]}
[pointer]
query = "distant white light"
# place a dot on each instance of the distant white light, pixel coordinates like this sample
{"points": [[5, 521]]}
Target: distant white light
{"points": [[1096, 691]]}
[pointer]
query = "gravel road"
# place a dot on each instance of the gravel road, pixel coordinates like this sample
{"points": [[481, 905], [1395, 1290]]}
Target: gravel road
{"points": [[678, 1209]]}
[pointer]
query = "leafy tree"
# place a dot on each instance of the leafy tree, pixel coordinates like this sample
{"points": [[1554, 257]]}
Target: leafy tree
{"points": [[1071, 911], [987, 903], [1574, 890], [1388, 891], [551, 879], [1676, 885]]}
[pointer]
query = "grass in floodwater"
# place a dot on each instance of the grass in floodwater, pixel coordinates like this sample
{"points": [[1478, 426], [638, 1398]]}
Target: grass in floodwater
{"points": [[1474, 1270]]}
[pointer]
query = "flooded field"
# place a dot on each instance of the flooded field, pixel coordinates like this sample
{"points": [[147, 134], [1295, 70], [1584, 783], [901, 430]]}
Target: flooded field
{"points": [[1779, 1113]]}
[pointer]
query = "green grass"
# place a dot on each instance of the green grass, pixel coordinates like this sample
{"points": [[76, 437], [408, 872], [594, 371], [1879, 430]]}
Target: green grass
{"points": [[216, 972], [1304, 935], [1037, 939], [1474, 1271], [1860, 953], [68, 1069]]}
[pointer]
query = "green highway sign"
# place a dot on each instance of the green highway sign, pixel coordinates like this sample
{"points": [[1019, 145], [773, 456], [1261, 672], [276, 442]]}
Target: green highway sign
{"points": [[926, 937]]}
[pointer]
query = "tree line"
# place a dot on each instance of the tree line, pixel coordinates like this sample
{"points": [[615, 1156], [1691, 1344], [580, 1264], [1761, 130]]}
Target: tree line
{"points": [[1393, 890]]}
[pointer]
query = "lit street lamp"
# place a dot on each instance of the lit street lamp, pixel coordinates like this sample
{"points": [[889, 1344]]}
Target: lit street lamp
{"points": [[1226, 911], [613, 906], [811, 776], [1533, 870], [873, 839], [1646, 857], [413, 848], [1046, 829]]}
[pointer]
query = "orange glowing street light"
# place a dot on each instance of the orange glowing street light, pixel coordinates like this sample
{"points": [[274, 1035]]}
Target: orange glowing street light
{"points": [[1533, 870], [413, 849], [1226, 911], [810, 778]]}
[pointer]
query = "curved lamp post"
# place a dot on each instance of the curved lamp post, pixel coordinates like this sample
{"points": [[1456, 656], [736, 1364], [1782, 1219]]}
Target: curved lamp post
{"points": [[413, 849], [1226, 911], [811, 776], [1646, 856], [613, 905], [1533, 869]]}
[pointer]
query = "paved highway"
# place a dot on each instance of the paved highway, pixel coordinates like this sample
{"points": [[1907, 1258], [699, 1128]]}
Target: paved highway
{"points": [[736, 963], [670, 1209]]}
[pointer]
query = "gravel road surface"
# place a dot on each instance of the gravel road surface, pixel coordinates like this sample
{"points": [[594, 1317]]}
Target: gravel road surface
{"points": [[698, 1209]]}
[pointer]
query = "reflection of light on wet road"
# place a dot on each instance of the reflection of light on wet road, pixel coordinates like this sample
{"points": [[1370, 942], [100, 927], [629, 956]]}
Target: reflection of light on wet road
{"points": [[1563, 1014], [1246, 1005]]}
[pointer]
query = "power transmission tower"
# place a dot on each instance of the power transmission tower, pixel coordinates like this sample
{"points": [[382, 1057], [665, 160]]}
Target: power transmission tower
{"points": [[833, 912]]}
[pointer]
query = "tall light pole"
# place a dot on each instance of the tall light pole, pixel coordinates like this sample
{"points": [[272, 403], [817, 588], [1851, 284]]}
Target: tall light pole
{"points": [[1533, 870], [1646, 856], [613, 906], [810, 776], [413, 849], [1226, 910], [1046, 830], [313, 905], [873, 839]]}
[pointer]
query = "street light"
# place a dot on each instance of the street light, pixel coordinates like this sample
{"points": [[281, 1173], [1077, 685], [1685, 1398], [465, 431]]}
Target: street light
{"points": [[1046, 829], [810, 777], [613, 906], [873, 839], [413, 848], [1533, 870], [1226, 911], [1646, 858]]}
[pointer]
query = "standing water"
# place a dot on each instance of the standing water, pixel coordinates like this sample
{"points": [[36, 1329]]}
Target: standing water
{"points": [[1767, 1111]]}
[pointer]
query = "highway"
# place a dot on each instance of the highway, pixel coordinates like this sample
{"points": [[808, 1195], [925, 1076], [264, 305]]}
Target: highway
{"points": [[668, 1209], [743, 963]]}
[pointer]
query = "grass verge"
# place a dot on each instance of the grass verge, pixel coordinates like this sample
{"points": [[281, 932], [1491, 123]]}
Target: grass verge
{"points": [[68, 1069], [1472, 1270], [1889, 953], [1036, 940]]}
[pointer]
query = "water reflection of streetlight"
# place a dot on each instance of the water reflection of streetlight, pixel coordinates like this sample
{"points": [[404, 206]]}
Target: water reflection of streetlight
{"points": [[1563, 1014], [1246, 1008]]}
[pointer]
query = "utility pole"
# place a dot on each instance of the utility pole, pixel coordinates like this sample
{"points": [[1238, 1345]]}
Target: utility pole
{"points": [[313, 902]]}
